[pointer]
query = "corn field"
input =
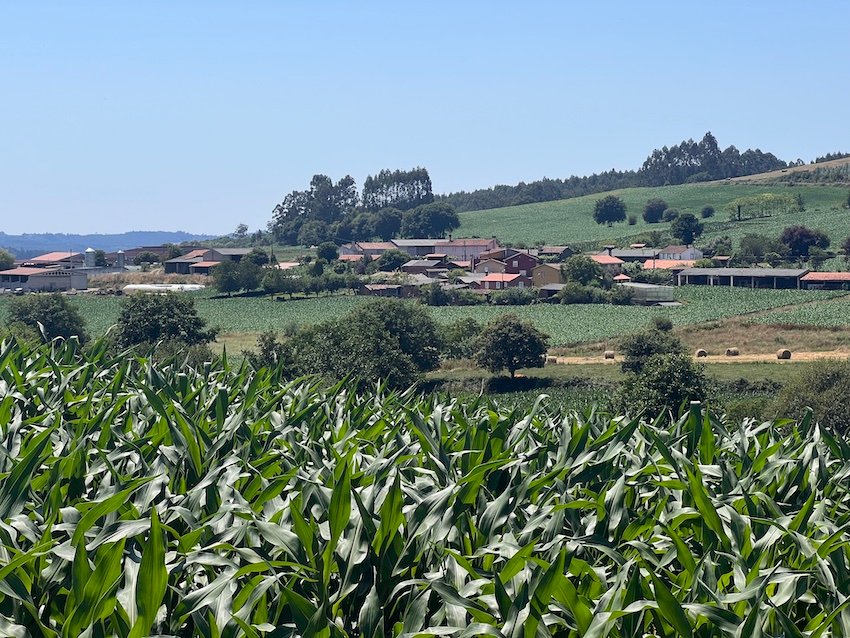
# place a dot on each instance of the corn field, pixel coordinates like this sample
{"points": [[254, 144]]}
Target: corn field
{"points": [[139, 500]]}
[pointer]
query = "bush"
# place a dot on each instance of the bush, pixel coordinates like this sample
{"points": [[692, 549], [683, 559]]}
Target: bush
{"points": [[632, 220], [666, 382], [706, 212], [55, 314], [147, 319], [823, 386], [460, 339], [670, 214], [384, 339], [638, 348], [653, 210], [574, 293], [514, 297]]}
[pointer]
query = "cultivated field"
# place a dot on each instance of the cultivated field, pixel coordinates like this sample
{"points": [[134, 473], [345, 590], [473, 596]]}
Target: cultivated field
{"points": [[240, 319], [570, 221], [141, 501]]}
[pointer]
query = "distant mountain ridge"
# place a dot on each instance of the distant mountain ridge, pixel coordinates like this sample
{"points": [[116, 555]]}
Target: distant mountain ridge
{"points": [[31, 244]]}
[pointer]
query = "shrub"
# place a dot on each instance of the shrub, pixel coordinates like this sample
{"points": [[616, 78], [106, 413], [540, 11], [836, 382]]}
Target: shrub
{"points": [[460, 339], [823, 386], [670, 214], [638, 348], [632, 220], [653, 210], [706, 212], [574, 293], [514, 297], [147, 319], [53, 312], [665, 382]]}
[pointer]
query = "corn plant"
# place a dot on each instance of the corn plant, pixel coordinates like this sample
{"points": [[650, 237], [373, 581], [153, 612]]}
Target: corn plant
{"points": [[138, 499]]}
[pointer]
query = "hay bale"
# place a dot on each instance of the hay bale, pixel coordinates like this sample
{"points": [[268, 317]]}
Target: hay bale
{"points": [[551, 359], [609, 354], [700, 353], [732, 352], [783, 353]]}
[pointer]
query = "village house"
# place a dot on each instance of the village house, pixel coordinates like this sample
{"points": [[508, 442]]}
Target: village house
{"points": [[546, 274], [501, 281], [610, 264], [464, 249], [517, 262], [680, 252], [555, 253], [489, 265]]}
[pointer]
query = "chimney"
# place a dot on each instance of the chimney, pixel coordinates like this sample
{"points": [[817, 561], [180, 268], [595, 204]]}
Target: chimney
{"points": [[609, 249]]}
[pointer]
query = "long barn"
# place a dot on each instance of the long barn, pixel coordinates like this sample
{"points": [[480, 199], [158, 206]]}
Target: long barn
{"points": [[777, 278]]}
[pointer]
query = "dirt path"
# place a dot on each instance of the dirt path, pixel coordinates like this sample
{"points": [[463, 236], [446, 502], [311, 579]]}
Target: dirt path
{"points": [[841, 353]]}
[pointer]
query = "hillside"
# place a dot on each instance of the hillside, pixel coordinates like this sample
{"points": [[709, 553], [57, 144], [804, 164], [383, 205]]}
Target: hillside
{"points": [[793, 171], [570, 221], [30, 244]]}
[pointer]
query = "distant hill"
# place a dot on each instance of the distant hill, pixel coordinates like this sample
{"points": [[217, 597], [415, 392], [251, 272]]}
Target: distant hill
{"points": [[31, 244], [835, 171], [570, 221]]}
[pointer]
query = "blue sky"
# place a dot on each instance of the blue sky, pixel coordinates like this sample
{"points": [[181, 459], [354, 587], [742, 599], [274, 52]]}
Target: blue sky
{"points": [[200, 115]]}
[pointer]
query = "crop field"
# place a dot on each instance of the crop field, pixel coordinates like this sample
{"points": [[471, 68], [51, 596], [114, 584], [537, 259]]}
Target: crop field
{"points": [[826, 314], [139, 501], [570, 221], [565, 324]]}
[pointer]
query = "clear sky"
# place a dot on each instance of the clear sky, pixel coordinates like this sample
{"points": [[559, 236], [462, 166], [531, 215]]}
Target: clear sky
{"points": [[197, 116]]}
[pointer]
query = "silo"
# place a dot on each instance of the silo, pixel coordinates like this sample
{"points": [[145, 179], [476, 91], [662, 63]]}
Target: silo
{"points": [[90, 258]]}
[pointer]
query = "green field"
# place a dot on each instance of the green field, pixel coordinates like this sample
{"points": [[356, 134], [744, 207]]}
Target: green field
{"points": [[826, 314], [570, 221], [565, 324], [138, 500]]}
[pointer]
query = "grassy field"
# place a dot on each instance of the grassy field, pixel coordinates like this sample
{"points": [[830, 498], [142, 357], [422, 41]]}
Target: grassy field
{"points": [[570, 221], [826, 314], [240, 319]]}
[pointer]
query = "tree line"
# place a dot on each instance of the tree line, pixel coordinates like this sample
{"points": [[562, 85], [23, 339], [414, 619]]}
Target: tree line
{"points": [[688, 161], [391, 204]]}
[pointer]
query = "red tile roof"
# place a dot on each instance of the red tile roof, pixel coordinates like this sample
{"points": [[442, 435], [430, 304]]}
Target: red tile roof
{"points": [[668, 264], [25, 271], [500, 276], [606, 260], [55, 256], [622, 278], [350, 257], [826, 276]]}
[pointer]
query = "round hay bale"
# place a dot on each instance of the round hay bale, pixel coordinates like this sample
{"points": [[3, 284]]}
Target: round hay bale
{"points": [[700, 353], [551, 359], [783, 353], [732, 352], [609, 354]]}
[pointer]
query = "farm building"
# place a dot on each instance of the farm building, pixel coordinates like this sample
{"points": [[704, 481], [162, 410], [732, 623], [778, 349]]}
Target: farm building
{"points": [[464, 248], [421, 266], [826, 281], [546, 274], [44, 279], [63, 259], [742, 277], [199, 262], [650, 294]]}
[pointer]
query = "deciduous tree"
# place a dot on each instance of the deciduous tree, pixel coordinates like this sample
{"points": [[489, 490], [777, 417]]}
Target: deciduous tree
{"points": [[609, 209], [49, 314], [510, 343], [686, 228], [653, 210], [147, 319]]}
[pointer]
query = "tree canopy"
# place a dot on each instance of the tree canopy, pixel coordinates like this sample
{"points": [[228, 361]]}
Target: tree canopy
{"points": [[653, 210], [581, 269], [403, 190], [686, 228], [508, 342], [146, 319], [430, 220], [55, 314], [800, 240], [609, 209], [7, 259]]}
